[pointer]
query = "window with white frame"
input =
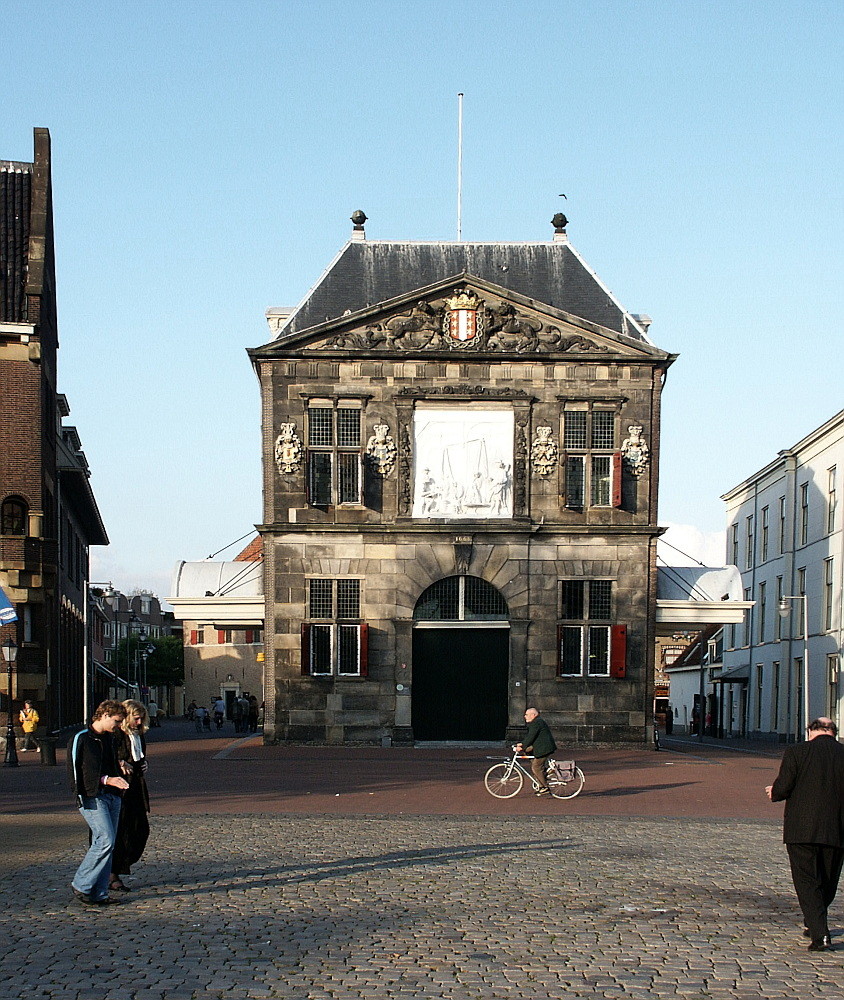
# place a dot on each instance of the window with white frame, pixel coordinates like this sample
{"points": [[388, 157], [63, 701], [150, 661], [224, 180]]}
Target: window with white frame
{"points": [[832, 687], [804, 513], [748, 562], [588, 643], [763, 541], [746, 641], [831, 500], [334, 452], [801, 605], [592, 466], [778, 619], [828, 586], [782, 526], [334, 640], [734, 544], [760, 680], [775, 695], [762, 608]]}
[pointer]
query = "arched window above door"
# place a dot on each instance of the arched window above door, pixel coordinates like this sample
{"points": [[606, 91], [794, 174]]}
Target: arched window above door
{"points": [[461, 599]]}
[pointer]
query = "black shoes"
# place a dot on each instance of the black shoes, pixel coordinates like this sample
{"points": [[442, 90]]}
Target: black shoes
{"points": [[820, 944], [86, 900]]}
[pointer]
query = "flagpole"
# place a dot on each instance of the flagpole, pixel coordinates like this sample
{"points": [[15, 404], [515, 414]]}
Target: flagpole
{"points": [[459, 167]]}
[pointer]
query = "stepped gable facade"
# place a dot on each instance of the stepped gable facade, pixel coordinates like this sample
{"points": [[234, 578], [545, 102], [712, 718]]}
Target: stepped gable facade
{"points": [[460, 454]]}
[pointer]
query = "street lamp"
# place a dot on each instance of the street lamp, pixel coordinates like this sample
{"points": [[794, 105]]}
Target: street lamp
{"points": [[785, 611], [10, 651]]}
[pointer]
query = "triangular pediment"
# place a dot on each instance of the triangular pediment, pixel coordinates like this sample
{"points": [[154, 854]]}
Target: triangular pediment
{"points": [[463, 314]]}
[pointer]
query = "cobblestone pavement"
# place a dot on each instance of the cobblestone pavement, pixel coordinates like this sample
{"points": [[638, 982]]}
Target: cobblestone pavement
{"points": [[336, 907]]}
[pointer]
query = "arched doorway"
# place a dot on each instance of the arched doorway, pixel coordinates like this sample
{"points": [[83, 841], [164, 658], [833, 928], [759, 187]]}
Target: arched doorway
{"points": [[461, 660]]}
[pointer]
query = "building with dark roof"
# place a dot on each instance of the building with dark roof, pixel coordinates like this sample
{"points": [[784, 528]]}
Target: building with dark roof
{"points": [[460, 451], [48, 514]]}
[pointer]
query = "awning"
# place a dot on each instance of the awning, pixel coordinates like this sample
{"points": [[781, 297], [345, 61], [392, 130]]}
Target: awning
{"points": [[738, 675]]}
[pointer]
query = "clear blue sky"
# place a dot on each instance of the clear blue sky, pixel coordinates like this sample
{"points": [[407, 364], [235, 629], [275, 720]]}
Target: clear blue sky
{"points": [[207, 156]]}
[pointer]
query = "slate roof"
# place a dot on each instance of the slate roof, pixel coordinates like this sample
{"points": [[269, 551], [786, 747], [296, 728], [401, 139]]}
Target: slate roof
{"points": [[15, 206], [366, 273]]}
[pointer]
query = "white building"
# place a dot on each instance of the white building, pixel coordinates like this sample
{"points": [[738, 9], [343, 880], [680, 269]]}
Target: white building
{"points": [[221, 607], [784, 534]]}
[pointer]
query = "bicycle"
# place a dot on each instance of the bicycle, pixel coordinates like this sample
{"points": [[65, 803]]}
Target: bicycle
{"points": [[504, 780]]}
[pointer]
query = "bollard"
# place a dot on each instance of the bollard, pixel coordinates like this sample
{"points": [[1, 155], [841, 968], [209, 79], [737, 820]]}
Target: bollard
{"points": [[47, 746]]}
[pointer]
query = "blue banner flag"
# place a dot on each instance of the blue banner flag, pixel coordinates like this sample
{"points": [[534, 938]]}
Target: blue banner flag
{"points": [[7, 610]]}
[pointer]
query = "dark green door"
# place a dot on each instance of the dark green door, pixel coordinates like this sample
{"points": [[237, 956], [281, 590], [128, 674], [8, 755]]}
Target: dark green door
{"points": [[460, 683]]}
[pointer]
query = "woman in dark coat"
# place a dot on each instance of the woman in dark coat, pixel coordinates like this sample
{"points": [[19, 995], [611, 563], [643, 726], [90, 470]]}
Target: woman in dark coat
{"points": [[133, 829]]}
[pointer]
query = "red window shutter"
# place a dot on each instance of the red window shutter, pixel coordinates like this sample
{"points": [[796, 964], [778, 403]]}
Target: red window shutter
{"points": [[221, 636], [616, 479], [194, 636], [364, 649], [618, 651], [559, 650], [306, 649], [248, 637]]}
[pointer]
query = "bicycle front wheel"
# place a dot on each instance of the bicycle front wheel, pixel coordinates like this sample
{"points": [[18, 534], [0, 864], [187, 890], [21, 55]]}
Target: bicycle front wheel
{"points": [[503, 781], [566, 789]]}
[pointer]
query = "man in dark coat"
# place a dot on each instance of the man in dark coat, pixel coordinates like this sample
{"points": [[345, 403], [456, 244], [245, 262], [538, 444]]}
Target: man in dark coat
{"points": [[539, 742], [97, 782], [811, 780]]}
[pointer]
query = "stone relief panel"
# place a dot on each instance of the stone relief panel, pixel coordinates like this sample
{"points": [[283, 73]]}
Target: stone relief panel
{"points": [[288, 449], [381, 450], [544, 452], [462, 462], [635, 451]]}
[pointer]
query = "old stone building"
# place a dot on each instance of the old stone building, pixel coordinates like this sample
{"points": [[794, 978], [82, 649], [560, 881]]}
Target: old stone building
{"points": [[460, 450], [48, 513]]}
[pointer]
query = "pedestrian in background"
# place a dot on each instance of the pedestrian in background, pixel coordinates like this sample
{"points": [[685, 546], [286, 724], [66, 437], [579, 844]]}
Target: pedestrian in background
{"points": [[200, 717], [253, 714], [237, 716], [29, 723], [133, 828], [811, 781], [97, 782]]}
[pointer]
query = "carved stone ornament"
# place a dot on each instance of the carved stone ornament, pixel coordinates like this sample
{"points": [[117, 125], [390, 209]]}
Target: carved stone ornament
{"points": [[543, 452], [463, 321], [288, 449], [381, 450], [463, 389], [635, 450]]}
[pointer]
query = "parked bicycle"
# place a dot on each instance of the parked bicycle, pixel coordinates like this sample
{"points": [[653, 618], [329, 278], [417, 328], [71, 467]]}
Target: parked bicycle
{"points": [[504, 780]]}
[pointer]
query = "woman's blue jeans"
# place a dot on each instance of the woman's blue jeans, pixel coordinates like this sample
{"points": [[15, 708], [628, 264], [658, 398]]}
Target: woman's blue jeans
{"points": [[102, 814]]}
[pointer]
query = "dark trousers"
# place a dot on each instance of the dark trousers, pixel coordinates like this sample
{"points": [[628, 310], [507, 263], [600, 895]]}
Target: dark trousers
{"points": [[815, 870]]}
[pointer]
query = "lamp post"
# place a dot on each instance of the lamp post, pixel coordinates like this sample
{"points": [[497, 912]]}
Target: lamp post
{"points": [[10, 651], [784, 612]]}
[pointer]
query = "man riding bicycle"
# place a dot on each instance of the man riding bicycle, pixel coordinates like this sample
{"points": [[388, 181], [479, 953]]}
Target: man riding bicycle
{"points": [[539, 742]]}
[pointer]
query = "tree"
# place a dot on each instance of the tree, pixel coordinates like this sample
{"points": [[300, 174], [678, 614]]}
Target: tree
{"points": [[165, 659]]}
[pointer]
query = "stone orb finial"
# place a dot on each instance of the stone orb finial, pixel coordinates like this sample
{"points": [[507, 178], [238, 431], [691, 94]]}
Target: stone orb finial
{"points": [[358, 218]]}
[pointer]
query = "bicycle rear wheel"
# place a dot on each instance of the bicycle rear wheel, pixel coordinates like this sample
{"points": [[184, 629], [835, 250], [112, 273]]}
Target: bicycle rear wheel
{"points": [[503, 781], [567, 789]]}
